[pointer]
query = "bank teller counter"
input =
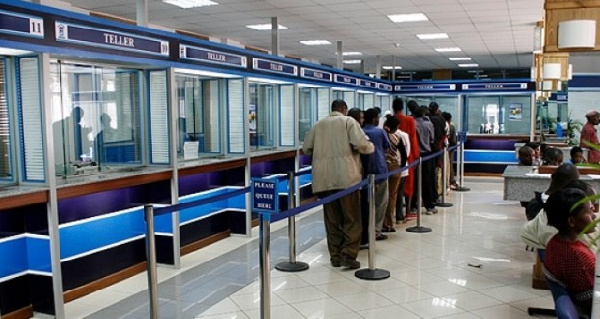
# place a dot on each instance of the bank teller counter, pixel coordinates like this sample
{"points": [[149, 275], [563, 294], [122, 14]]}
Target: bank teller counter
{"points": [[314, 104], [447, 102], [496, 116]]}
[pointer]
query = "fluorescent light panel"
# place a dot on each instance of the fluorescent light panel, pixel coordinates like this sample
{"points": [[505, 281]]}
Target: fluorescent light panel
{"points": [[460, 59], [389, 67], [352, 61], [432, 36], [187, 4], [410, 17], [453, 49], [266, 26], [468, 65], [351, 53], [315, 42]]}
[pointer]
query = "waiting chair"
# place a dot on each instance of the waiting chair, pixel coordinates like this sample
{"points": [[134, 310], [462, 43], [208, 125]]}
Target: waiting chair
{"points": [[564, 308]]}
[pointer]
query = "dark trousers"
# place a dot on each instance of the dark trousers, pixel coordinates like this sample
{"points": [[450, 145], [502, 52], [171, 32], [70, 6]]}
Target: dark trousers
{"points": [[342, 225], [428, 179], [400, 215]]}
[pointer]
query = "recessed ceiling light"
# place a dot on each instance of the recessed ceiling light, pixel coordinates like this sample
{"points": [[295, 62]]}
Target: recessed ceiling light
{"points": [[432, 36], [389, 67], [352, 61], [266, 26], [410, 17], [186, 4], [315, 42], [351, 53], [468, 65], [448, 49], [460, 59]]}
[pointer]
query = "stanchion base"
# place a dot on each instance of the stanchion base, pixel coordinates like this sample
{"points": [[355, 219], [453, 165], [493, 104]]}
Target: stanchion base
{"points": [[461, 189], [418, 229], [291, 267], [444, 204], [372, 274]]}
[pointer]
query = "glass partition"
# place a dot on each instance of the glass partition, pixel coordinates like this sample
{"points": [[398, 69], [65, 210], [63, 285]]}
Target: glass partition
{"points": [[498, 114], [384, 102], [31, 126], [262, 116], [307, 109], [346, 95], [198, 124], [96, 117], [366, 100], [447, 103]]}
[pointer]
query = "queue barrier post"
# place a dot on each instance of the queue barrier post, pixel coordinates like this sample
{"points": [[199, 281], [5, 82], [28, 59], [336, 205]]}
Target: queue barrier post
{"points": [[462, 136], [264, 224], [443, 203], [151, 257], [419, 228], [292, 265], [372, 273]]}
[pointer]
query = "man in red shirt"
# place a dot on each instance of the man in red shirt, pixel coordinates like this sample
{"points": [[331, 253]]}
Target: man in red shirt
{"points": [[590, 136], [409, 126]]}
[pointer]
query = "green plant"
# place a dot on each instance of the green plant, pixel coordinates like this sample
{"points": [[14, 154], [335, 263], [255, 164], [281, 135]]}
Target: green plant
{"points": [[572, 127]]}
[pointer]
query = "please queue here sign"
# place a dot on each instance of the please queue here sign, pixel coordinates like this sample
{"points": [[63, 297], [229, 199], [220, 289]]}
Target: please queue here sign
{"points": [[264, 195]]}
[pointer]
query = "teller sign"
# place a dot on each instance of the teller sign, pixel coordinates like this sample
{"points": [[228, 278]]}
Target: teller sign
{"points": [[265, 198]]}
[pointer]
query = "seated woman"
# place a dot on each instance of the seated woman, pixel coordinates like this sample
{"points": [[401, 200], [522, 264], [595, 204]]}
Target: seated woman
{"points": [[568, 260], [552, 157]]}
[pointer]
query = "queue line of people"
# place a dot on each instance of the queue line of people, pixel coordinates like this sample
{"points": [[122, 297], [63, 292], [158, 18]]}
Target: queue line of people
{"points": [[348, 145]]}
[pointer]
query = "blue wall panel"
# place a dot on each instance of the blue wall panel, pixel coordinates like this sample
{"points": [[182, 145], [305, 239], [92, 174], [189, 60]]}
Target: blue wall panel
{"points": [[13, 256], [38, 254]]}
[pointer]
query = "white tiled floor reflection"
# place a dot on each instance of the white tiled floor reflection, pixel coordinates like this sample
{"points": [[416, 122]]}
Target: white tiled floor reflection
{"points": [[432, 274]]}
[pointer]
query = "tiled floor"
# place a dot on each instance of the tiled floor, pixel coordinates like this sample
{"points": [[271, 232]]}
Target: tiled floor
{"points": [[432, 274]]}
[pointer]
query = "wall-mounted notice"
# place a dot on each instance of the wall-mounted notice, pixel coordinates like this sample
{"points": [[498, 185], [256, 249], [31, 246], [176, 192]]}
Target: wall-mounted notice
{"points": [[345, 79], [21, 24], [67, 32], [274, 67], [212, 56], [264, 195], [516, 112], [315, 74]]}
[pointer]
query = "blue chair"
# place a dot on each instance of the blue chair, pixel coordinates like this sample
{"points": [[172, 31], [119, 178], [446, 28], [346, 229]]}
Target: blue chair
{"points": [[564, 308]]}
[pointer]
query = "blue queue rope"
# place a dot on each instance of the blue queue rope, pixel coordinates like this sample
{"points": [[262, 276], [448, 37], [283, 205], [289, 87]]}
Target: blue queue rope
{"points": [[179, 207], [305, 207]]}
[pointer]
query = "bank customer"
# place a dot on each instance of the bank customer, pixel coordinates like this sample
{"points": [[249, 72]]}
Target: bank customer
{"points": [[335, 143]]}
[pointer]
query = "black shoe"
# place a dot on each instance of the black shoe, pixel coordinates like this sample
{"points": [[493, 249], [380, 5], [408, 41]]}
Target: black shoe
{"points": [[381, 237], [350, 263], [336, 263]]}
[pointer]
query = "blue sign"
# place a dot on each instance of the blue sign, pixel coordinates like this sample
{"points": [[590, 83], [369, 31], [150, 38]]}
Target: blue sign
{"points": [[345, 79], [315, 74], [368, 84], [265, 198], [494, 86], [274, 67], [425, 87], [385, 87], [21, 24], [67, 32], [211, 56]]}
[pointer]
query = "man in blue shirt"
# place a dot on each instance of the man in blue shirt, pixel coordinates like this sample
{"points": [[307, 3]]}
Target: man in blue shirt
{"points": [[375, 164]]}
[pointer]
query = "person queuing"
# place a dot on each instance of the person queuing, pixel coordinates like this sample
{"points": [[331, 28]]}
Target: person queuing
{"points": [[452, 141], [334, 143], [376, 164], [425, 132], [395, 158], [408, 125], [589, 136]]}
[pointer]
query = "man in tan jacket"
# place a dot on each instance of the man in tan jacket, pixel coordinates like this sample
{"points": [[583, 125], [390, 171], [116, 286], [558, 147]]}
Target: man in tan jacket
{"points": [[335, 143]]}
